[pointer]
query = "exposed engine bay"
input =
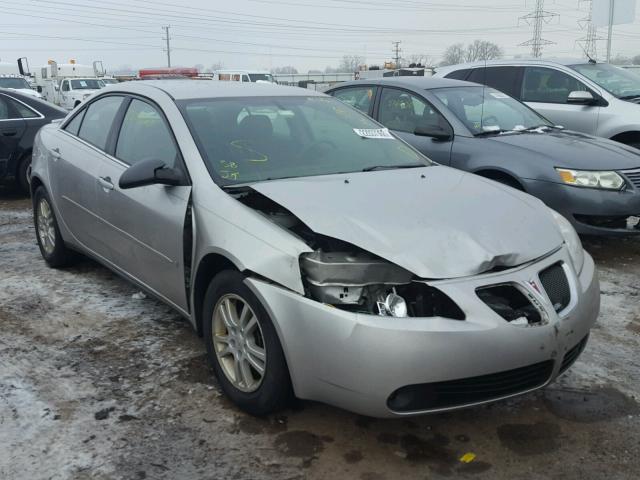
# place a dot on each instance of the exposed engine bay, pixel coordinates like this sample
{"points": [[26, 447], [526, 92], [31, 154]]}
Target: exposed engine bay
{"points": [[343, 275]]}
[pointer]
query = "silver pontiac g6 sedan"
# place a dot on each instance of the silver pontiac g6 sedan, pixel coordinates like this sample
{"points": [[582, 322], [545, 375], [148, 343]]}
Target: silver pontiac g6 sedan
{"points": [[317, 254]]}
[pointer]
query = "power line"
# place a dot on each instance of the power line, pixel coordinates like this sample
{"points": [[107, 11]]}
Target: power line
{"points": [[537, 18]]}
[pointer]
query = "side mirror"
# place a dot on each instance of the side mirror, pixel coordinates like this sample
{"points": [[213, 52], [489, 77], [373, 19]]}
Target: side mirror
{"points": [[433, 132], [150, 172], [581, 98]]}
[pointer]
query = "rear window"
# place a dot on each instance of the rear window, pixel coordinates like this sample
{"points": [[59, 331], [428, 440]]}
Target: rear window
{"points": [[504, 79]]}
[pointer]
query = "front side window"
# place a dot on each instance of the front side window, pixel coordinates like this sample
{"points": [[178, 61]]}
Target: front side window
{"points": [[86, 84], [263, 77], [405, 112], [65, 86], [485, 110], [504, 79], [617, 81], [98, 120], [144, 135], [358, 97], [546, 85], [266, 138]]}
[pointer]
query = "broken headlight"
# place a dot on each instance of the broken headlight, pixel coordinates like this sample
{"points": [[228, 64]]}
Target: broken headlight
{"points": [[361, 282], [571, 239]]}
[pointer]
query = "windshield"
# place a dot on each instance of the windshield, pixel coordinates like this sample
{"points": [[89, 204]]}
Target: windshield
{"points": [[265, 77], [13, 82], [265, 138], [617, 81], [485, 110], [86, 84]]}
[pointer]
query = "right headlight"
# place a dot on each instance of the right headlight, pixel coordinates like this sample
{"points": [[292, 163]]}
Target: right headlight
{"points": [[571, 239], [591, 179]]}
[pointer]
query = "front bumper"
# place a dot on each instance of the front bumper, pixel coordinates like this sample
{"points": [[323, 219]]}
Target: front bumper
{"points": [[357, 361], [589, 210]]}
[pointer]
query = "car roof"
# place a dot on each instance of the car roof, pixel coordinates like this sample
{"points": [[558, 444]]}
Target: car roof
{"points": [[191, 89], [515, 61], [419, 83]]}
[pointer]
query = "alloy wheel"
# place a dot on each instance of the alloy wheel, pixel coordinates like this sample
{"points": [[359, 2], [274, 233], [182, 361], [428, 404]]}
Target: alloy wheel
{"points": [[46, 226], [238, 343]]}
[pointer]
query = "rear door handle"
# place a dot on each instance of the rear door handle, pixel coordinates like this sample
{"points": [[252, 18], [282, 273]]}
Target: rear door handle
{"points": [[105, 183], [9, 133], [55, 153]]}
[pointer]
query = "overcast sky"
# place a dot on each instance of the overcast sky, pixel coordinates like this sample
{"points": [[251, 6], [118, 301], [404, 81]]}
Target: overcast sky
{"points": [[307, 34]]}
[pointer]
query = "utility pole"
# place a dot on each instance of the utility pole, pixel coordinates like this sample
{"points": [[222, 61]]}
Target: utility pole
{"points": [[537, 18], [396, 53], [612, 6], [168, 49]]}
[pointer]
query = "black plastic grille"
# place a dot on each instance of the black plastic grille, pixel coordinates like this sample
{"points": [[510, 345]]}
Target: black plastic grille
{"points": [[555, 283], [452, 393], [572, 355], [633, 176]]}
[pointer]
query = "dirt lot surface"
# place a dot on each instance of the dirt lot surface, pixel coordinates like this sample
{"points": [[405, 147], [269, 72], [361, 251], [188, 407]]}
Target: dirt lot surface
{"points": [[97, 383]]}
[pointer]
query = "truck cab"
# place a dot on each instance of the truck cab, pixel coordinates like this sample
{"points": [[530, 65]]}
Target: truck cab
{"points": [[256, 76], [12, 78], [69, 84]]}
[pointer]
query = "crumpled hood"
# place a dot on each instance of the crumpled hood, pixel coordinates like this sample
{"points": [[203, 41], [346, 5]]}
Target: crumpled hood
{"points": [[436, 222], [574, 149]]}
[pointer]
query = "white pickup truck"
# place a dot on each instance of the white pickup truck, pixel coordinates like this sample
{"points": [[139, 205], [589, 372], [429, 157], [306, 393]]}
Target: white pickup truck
{"points": [[11, 77], [69, 84]]}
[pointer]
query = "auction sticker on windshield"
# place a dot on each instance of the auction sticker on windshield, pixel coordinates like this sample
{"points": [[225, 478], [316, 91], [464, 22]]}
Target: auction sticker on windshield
{"points": [[381, 133]]}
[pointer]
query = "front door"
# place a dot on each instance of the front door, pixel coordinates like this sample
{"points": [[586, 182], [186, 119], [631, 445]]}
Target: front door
{"points": [[546, 90], [405, 113], [144, 226]]}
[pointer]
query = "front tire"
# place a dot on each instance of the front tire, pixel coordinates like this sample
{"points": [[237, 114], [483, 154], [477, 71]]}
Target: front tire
{"points": [[243, 346], [52, 247]]}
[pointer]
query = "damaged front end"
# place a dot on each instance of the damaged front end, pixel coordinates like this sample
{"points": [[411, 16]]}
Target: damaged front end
{"points": [[345, 276]]}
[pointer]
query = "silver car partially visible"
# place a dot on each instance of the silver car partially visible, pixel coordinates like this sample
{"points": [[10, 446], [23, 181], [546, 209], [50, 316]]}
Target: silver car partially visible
{"points": [[317, 254]]}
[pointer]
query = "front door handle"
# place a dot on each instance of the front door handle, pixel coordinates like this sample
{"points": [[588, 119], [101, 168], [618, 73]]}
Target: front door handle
{"points": [[105, 183], [55, 154]]}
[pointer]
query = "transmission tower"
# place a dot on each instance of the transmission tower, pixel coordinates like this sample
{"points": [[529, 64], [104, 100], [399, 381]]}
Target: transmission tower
{"points": [[538, 18], [588, 42], [396, 53]]}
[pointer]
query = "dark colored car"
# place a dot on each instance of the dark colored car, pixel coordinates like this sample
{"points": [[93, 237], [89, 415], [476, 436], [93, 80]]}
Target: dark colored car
{"points": [[593, 182], [21, 116]]}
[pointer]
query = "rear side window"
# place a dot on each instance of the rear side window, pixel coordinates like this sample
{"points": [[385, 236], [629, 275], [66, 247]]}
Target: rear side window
{"points": [[98, 120], [74, 125], [458, 74], [504, 79], [144, 135], [358, 97], [23, 110]]}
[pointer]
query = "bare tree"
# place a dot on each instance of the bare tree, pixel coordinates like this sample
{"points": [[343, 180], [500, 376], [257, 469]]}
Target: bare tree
{"points": [[453, 55], [420, 59], [482, 50], [350, 63], [288, 69]]}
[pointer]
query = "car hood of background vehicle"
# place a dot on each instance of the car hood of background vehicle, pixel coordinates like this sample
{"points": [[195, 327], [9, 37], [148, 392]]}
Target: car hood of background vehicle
{"points": [[436, 222], [575, 150]]}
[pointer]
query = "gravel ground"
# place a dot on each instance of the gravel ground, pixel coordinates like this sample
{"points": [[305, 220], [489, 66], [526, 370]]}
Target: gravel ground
{"points": [[97, 383]]}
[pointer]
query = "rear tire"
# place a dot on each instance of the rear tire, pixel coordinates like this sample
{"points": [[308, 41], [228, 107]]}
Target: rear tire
{"points": [[51, 244], [235, 347], [23, 175]]}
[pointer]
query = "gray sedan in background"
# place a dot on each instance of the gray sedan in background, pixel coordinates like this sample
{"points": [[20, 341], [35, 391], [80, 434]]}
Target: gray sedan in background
{"points": [[593, 182], [317, 254]]}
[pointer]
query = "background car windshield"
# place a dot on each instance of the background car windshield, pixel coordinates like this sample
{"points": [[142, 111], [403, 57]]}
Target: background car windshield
{"points": [[485, 109], [615, 80], [260, 76], [87, 84], [10, 82], [264, 138]]}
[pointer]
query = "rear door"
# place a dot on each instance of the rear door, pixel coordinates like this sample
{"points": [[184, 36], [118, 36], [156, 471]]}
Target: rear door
{"points": [[546, 90], [144, 226], [12, 127], [77, 152], [404, 112]]}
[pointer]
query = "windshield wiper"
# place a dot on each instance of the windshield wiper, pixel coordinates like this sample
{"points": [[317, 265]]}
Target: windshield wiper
{"points": [[391, 167], [531, 129], [629, 97], [486, 133]]}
